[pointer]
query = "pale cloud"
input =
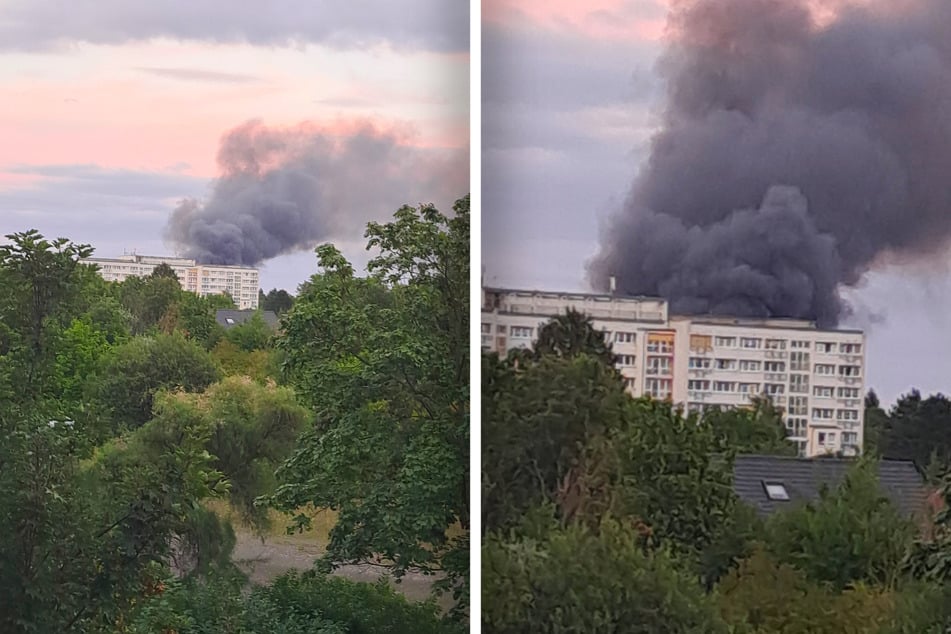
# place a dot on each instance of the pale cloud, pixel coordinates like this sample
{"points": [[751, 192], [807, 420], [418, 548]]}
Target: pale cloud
{"points": [[438, 25], [194, 74]]}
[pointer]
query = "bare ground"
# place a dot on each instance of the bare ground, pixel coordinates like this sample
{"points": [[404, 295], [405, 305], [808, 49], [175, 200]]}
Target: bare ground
{"points": [[263, 560]]}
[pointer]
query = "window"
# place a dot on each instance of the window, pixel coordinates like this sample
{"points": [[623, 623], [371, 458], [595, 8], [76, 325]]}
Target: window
{"points": [[848, 370], [820, 413], [522, 332], [701, 343], [748, 388], [802, 345], [749, 366], [799, 383], [698, 386], [625, 360], [629, 383], [847, 414], [776, 491], [725, 342], [850, 348], [658, 365], [799, 361], [623, 337], [699, 363], [798, 405], [775, 366], [724, 386], [726, 364], [663, 347], [848, 392], [486, 329], [658, 388], [825, 346], [850, 438], [500, 329], [822, 391], [774, 388], [824, 369], [775, 344], [796, 427], [750, 342], [826, 439]]}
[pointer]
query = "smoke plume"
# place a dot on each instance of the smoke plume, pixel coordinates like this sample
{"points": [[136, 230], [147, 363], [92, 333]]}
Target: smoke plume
{"points": [[801, 141], [286, 189]]}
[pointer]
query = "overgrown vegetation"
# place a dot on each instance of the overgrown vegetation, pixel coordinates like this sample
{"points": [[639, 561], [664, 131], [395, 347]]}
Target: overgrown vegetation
{"points": [[128, 415], [608, 513]]}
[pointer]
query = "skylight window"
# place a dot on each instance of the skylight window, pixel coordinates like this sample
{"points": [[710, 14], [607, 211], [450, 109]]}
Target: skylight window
{"points": [[776, 491]]}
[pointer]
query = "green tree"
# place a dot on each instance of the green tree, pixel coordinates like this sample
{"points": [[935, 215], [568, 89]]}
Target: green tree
{"points": [[918, 429], [571, 334], [131, 374], [40, 279], [764, 596], [755, 430], [577, 579], [253, 334], [851, 534], [384, 361], [539, 421], [278, 301]]}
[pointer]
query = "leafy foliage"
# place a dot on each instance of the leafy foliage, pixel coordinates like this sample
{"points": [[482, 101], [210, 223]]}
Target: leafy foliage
{"points": [[131, 374], [571, 334], [578, 579], [384, 362], [851, 534]]}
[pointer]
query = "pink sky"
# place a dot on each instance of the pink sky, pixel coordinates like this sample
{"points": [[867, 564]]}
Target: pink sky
{"points": [[98, 106], [611, 19]]}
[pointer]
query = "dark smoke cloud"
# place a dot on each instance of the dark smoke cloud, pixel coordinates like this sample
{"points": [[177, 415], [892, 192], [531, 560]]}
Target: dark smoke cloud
{"points": [[286, 189], [854, 112]]}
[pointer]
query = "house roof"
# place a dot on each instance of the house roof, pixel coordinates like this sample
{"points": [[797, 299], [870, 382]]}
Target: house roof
{"points": [[802, 479], [229, 317]]}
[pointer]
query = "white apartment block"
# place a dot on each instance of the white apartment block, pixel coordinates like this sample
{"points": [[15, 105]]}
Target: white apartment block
{"points": [[241, 283], [816, 376]]}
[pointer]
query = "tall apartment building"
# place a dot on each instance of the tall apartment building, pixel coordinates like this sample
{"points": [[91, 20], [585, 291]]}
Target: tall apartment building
{"points": [[241, 283], [816, 376]]}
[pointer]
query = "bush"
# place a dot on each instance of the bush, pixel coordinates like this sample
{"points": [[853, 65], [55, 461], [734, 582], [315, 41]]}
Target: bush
{"points": [[580, 580]]}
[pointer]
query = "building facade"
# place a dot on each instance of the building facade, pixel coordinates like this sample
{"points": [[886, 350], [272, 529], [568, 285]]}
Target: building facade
{"points": [[816, 376], [242, 283]]}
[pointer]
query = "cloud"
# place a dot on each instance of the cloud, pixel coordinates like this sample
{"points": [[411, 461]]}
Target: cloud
{"points": [[430, 25], [192, 74]]}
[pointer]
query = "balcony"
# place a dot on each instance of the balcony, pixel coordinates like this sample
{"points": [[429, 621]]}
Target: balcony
{"points": [[851, 380], [849, 402], [776, 376], [698, 371], [652, 371], [776, 354], [697, 395]]}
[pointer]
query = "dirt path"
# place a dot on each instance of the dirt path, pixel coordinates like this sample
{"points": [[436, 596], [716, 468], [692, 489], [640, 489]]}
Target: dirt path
{"points": [[263, 561]]}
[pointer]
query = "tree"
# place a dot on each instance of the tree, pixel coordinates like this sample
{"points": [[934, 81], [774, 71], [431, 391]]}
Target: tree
{"points": [[876, 419], [40, 278], [383, 360], [253, 429], [763, 596], [539, 420], [253, 334], [579, 579], [571, 334], [164, 270], [918, 429], [278, 301], [131, 374], [851, 534], [757, 430]]}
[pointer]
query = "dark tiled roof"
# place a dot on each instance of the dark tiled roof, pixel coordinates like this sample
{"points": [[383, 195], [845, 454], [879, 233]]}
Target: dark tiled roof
{"points": [[230, 317], [803, 479]]}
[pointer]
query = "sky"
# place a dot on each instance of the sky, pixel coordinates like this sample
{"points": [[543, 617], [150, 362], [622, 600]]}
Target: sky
{"points": [[112, 117], [571, 99]]}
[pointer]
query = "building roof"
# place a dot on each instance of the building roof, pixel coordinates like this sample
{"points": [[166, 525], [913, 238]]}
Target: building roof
{"points": [[229, 317], [754, 478]]}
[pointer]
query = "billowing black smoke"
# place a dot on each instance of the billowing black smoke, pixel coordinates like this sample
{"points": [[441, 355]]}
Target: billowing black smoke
{"points": [[794, 151], [286, 189]]}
